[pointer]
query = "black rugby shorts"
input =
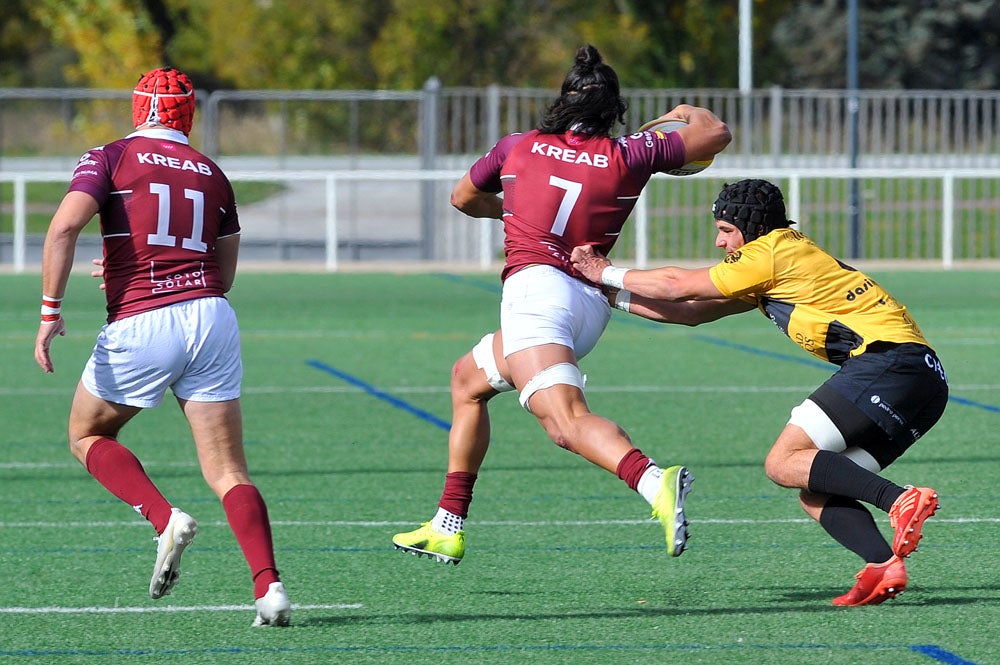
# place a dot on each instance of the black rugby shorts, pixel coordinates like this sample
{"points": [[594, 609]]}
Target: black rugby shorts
{"points": [[886, 398]]}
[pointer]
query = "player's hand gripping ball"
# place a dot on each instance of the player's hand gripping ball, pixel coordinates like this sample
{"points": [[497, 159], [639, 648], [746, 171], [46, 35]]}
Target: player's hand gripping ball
{"points": [[667, 125]]}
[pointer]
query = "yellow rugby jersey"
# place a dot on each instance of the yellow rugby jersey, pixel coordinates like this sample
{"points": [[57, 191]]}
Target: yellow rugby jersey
{"points": [[830, 309]]}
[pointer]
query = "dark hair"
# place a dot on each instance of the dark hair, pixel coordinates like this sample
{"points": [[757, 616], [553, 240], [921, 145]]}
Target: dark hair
{"points": [[755, 207], [590, 98]]}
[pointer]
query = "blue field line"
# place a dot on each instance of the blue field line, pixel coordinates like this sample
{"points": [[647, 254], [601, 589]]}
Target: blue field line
{"points": [[940, 655], [492, 286], [932, 651], [784, 357], [808, 361], [822, 365], [719, 341], [380, 394], [973, 403]]}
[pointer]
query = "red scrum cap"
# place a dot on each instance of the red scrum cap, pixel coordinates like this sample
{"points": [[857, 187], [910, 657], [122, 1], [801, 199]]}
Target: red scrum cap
{"points": [[164, 96]]}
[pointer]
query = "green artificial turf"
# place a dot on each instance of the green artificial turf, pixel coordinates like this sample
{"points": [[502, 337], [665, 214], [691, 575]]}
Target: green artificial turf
{"points": [[346, 409]]}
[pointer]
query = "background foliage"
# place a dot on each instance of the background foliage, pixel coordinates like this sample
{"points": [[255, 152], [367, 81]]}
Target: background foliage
{"points": [[399, 44]]}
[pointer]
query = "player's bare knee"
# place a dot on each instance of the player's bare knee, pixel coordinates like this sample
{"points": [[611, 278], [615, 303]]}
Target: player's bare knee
{"points": [[556, 433], [775, 467], [564, 443], [79, 446], [78, 450], [468, 384]]}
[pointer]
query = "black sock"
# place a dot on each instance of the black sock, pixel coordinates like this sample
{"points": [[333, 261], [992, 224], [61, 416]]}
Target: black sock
{"points": [[837, 475], [851, 525]]}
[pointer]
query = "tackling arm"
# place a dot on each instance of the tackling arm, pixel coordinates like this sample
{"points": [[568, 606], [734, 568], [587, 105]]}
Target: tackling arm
{"points": [[668, 283], [687, 312]]}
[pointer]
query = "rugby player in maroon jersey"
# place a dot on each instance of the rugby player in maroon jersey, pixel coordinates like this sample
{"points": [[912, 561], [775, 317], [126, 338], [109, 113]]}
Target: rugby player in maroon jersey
{"points": [[170, 235], [567, 182]]}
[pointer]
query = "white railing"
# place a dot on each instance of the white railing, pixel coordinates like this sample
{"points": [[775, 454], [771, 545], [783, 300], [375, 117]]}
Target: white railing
{"points": [[332, 189]]}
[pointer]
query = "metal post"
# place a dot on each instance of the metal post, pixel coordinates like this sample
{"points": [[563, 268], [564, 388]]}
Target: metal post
{"points": [[332, 232], [20, 223], [492, 117], [852, 111], [746, 76], [948, 221], [428, 160], [777, 120]]}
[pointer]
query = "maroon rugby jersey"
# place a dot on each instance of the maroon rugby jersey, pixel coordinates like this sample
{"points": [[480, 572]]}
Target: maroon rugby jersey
{"points": [[563, 190], [162, 204]]}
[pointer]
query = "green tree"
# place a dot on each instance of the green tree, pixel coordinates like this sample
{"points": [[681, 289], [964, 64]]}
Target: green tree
{"points": [[27, 56], [514, 43], [346, 44], [114, 40], [929, 44], [288, 44]]}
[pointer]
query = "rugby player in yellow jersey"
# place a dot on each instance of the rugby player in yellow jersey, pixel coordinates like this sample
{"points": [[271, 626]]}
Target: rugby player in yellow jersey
{"points": [[889, 390]]}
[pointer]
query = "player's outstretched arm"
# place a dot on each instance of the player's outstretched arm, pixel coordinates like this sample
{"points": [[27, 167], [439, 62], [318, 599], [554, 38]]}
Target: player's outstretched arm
{"points": [[668, 283], [686, 312]]}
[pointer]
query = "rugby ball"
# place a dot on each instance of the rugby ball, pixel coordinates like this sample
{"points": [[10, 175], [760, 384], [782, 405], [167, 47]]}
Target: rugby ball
{"points": [[665, 126]]}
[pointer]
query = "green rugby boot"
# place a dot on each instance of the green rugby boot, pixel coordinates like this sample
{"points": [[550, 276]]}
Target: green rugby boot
{"points": [[669, 507], [436, 545]]}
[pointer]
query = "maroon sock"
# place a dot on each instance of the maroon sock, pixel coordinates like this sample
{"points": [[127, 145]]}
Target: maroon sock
{"points": [[115, 467], [247, 515], [632, 466], [457, 493]]}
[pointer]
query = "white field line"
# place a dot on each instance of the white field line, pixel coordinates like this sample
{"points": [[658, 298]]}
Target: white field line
{"points": [[348, 606], [164, 609], [404, 390], [76, 465], [502, 523]]}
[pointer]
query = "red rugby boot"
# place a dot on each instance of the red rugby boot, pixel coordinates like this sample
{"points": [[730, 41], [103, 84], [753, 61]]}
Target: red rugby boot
{"points": [[907, 516], [876, 583]]}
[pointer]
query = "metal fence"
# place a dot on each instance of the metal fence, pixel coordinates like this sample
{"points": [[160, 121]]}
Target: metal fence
{"points": [[364, 176], [782, 127], [379, 216]]}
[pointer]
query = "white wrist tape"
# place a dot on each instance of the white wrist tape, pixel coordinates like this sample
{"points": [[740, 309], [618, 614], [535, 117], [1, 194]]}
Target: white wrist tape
{"points": [[613, 276], [623, 299]]}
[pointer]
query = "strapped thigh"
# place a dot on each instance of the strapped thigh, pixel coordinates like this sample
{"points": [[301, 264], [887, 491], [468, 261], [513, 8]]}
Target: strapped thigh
{"points": [[567, 373], [827, 436], [482, 353]]}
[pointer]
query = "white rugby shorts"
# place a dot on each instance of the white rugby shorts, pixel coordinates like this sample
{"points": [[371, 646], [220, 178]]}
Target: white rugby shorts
{"points": [[191, 347], [543, 305]]}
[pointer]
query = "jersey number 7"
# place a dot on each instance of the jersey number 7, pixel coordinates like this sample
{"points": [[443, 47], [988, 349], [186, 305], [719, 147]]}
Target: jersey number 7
{"points": [[573, 190]]}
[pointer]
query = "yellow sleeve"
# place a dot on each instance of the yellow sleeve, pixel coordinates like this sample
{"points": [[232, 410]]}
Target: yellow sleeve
{"points": [[749, 270]]}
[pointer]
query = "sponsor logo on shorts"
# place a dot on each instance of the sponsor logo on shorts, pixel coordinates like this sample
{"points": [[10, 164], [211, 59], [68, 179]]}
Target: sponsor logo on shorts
{"points": [[877, 401], [935, 365]]}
